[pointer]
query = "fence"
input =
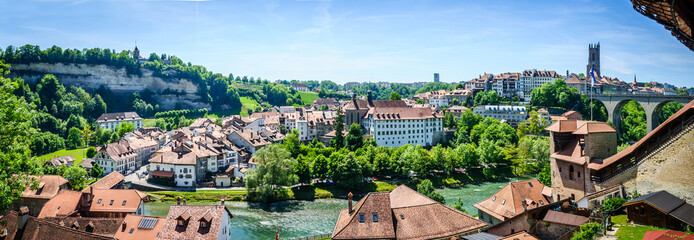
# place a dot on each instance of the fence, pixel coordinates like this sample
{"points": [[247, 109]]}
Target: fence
{"points": [[313, 237]]}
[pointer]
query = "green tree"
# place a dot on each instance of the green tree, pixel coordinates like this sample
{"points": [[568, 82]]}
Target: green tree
{"points": [[74, 139], [467, 155], [339, 140], [15, 138], [291, 142], [455, 101], [86, 134], [303, 170], [355, 138], [320, 167], [91, 152], [96, 170], [426, 188], [49, 90], [633, 122], [534, 125], [395, 96], [125, 127], [459, 205], [46, 142], [275, 169], [668, 110], [348, 173], [545, 176], [290, 102], [612, 204], [76, 176]]}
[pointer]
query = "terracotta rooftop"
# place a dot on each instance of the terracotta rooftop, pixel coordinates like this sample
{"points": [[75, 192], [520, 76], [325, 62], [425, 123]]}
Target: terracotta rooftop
{"points": [[59, 161], [48, 187], [520, 236], [101, 226], [402, 214], [507, 202], [107, 182], [171, 157], [364, 104], [116, 200], [192, 216], [571, 152], [138, 227], [667, 235], [63, 204], [40, 229], [564, 218]]}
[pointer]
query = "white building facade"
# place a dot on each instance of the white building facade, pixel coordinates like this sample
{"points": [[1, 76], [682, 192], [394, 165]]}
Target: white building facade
{"points": [[394, 127], [532, 78], [512, 114]]}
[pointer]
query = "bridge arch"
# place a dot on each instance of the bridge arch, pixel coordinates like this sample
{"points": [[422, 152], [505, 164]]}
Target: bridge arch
{"points": [[651, 104]]}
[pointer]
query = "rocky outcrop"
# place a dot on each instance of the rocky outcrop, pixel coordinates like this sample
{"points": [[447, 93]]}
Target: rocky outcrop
{"points": [[92, 77]]}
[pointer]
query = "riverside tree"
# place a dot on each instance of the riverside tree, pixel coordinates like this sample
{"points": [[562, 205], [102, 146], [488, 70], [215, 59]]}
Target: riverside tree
{"points": [[15, 137], [275, 170]]}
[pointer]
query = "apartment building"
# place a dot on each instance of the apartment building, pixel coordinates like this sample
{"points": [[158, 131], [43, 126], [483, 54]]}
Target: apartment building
{"points": [[511, 114], [394, 127]]}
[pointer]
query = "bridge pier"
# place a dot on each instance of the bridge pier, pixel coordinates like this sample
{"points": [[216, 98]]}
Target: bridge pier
{"points": [[652, 104]]}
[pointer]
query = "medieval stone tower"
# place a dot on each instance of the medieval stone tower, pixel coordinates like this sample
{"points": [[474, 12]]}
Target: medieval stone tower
{"points": [[136, 53], [593, 59]]}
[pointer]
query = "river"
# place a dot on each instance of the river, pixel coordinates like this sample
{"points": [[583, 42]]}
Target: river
{"points": [[307, 218]]}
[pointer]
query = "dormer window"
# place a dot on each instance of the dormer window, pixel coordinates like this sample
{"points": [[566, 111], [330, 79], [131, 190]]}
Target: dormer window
{"points": [[204, 224], [181, 222]]}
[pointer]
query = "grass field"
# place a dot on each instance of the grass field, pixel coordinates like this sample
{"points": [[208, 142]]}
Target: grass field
{"points": [[149, 122], [631, 231], [78, 154], [308, 97]]}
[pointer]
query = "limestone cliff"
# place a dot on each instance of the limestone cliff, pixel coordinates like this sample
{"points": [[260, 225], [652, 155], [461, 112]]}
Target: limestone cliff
{"points": [[91, 77]]}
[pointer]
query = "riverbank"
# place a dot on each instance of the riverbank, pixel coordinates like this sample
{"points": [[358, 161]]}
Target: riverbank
{"points": [[306, 192]]}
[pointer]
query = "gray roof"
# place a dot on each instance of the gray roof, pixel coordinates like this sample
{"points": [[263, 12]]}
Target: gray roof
{"points": [[119, 116], [87, 163], [662, 200], [481, 236], [685, 213]]}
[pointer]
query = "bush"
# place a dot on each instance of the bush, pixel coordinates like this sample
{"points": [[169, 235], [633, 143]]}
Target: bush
{"points": [[91, 152], [587, 231], [612, 204]]}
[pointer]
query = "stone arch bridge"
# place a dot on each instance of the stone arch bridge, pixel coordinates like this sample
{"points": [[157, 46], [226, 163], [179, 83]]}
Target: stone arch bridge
{"points": [[652, 105]]}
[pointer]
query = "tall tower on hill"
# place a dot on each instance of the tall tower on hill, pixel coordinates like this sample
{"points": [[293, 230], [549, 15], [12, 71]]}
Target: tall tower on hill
{"points": [[136, 53], [593, 59]]}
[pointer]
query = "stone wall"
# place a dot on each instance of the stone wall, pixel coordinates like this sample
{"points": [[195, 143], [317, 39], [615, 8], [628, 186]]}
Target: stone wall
{"points": [[91, 77], [670, 169]]}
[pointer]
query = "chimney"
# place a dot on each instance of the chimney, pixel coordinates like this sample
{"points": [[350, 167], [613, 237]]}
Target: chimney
{"points": [[178, 200], [184, 202], [22, 217], [123, 226], [524, 204], [349, 199]]}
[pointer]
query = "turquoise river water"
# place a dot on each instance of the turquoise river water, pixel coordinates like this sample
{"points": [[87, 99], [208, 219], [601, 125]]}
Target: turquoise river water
{"points": [[297, 219]]}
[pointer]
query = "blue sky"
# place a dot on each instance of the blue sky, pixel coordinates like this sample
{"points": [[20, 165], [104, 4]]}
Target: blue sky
{"points": [[371, 40]]}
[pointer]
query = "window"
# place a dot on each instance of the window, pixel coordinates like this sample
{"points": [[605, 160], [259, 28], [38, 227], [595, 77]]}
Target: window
{"points": [[402, 216], [124, 201], [503, 202], [204, 224], [542, 203], [571, 172], [131, 231], [361, 217], [494, 198], [531, 184], [98, 202], [181, 222], [111, 203], [375, 217]]}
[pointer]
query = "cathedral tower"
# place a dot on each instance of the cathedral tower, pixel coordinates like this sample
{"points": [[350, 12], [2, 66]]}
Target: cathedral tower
{"points": [[593, 59]]}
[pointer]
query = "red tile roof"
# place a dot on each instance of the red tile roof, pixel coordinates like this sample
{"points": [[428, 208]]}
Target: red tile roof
{"points": [[402, 214], [107, 182], [48, 187], [116, 200], [138, 227], [667, 235], [507, 202], [564, 218], [192, 215], [520, 236], [63, 204]]}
